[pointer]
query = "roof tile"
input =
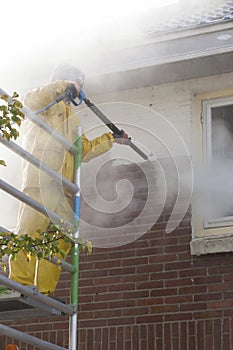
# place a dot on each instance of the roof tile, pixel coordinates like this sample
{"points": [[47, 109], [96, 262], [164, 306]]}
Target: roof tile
{"points": [[205, 17]]}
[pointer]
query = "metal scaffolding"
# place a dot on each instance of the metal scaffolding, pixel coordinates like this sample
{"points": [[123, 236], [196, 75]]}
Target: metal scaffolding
{"points": [[30, 295]]}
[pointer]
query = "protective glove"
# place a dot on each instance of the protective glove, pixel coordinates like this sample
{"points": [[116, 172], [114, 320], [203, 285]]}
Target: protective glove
{"points": [[121, 138], [74, 88]]}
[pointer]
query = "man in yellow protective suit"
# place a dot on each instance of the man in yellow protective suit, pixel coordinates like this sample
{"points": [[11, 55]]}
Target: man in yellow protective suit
{"points": [[40, 186]]}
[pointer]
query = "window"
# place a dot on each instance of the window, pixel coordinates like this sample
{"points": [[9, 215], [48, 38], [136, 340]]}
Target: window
{"points": [[218, 151], [212, 214]]}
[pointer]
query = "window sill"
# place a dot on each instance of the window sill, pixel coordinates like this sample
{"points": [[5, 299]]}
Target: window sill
{"points": [[211, 245]]}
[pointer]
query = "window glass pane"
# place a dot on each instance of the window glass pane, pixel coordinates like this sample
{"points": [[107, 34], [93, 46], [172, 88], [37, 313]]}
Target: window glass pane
{"points": [[222, 132], [221, 168]]}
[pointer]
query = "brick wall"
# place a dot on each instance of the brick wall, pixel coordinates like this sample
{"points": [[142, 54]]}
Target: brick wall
{"points": [[149, 294], [152, 294]]}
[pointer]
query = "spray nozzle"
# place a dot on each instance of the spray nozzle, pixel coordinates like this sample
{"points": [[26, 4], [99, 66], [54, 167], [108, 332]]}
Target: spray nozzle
{"points": [[81, 97]]}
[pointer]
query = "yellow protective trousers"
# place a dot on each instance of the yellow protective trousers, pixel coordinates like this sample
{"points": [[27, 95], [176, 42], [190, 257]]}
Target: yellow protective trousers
{"points": [[41, 273]]}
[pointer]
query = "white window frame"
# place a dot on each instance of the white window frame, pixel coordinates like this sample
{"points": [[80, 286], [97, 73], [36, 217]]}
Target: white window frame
{"points": [[216, 235]]}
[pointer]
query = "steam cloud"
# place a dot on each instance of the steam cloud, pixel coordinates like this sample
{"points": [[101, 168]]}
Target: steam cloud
{"points": [[214, 181]]}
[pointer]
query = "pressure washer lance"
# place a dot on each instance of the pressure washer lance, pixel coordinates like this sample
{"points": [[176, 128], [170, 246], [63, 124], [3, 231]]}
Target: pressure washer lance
{"points": [[116, 131], [67, 95]]}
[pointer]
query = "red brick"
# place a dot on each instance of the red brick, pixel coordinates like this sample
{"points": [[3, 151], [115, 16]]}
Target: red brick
{"points": [[162, 258], [128, 345], [135, 278], [207, 297], [178, 299], [164, 292], [227, 295], [176, 249], [122, 271], [93, 273], [209, 326], [193, 306], [105, 339], [85, 299], [159, 343], [183, 336], [193, 272], [149, 319], [82, 346], [181, 265], [180, 316], [121, 321], [107, 264], [107, 296], [121, 304], [93, 306], [93, 290], [220, 287], [135, 311], [207, 280], [149, 301], [227, 312], [135, 261], [86, 315], [39, 326], [150, 285], [157, 309], [92, 323], [149, 268], [164, 275], [224, 269], [178, 282], [200, 334], [226, 341], [217, 334], [107, 280], [207, 314], [121, 287], [227, 277], [120, 338], [220, 304], [89, 340], [151, 251], [209, 344], [176, 343], [135, 338], [192, 290], [167, 336]]}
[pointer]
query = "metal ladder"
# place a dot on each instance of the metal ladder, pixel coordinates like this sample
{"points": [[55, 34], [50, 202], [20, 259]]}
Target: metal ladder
{"points": [[31, 302]]}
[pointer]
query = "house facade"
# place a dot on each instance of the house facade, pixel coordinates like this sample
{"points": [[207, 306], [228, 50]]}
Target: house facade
{"points": [[160, 276]]}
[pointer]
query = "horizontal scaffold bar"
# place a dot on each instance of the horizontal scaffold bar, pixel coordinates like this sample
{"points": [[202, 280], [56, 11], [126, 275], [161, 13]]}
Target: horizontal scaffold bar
{"points": [[33, 293], [39, 122], [70, 186], [32, 203], [29, 339], [57, 261]]}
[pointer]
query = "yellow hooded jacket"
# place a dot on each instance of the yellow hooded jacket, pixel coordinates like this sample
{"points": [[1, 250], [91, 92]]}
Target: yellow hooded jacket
{"points": [[43, 188]]}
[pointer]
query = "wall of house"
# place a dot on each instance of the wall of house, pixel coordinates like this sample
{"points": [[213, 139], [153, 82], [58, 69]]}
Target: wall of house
{"points": [[153, 108], [148, 293]]}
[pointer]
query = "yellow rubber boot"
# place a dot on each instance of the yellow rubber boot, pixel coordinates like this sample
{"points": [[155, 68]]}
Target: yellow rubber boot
{"points": [[48, 274], [22, 270]]}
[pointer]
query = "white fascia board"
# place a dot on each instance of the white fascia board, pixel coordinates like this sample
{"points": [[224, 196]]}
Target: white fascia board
{"points": [[164, 52]]}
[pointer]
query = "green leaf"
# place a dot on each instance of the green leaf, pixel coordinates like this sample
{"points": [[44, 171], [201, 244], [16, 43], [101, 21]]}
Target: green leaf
{"points": [[45, 244], [4, 97], [15, 94], [2, 289]]}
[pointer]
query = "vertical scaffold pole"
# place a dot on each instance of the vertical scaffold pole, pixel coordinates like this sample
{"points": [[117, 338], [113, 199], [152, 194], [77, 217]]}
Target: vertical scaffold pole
{"points": [[75, 249]]}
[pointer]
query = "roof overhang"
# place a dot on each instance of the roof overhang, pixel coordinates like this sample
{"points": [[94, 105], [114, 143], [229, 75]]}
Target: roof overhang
{"points": [[173, 57]]}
